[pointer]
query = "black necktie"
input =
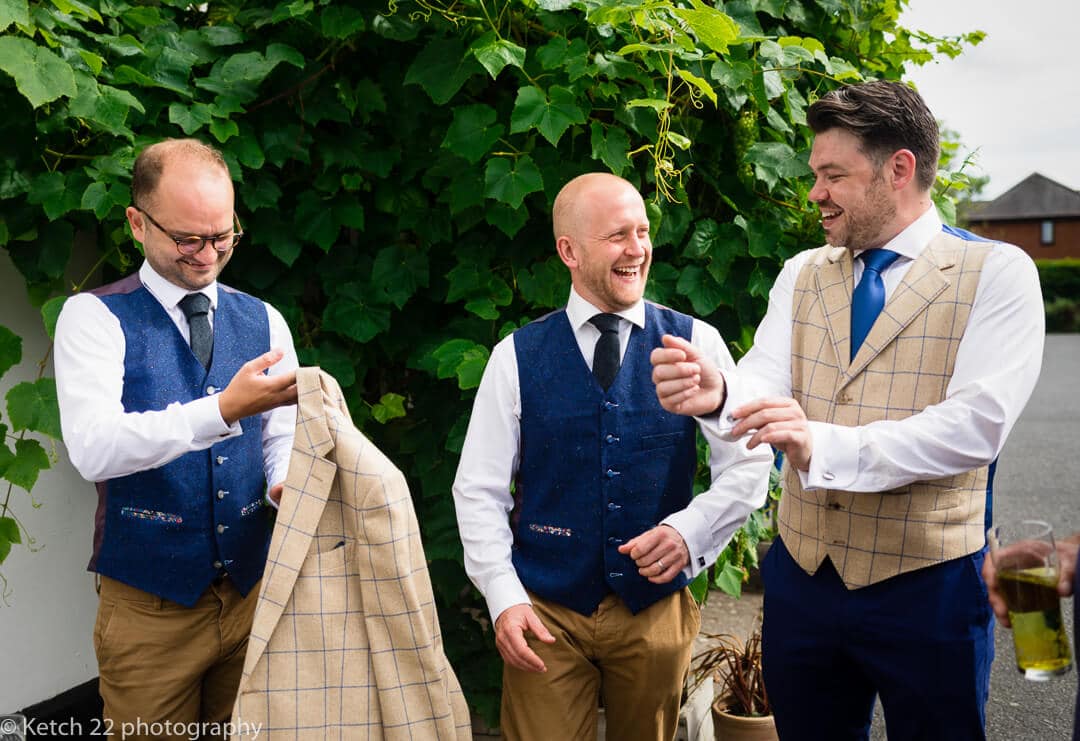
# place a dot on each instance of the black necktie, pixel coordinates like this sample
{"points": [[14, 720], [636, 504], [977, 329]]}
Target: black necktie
{"points": [[196, 307], [869, 297], [605, 359]]}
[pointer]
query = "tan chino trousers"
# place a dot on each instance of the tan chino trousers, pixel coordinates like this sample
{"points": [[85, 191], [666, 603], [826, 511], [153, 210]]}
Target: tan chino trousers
{"points": [[163, 663], [636, 663]]}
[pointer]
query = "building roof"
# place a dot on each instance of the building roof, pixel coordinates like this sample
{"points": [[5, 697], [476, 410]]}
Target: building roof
{"points": [[1034, 197]]}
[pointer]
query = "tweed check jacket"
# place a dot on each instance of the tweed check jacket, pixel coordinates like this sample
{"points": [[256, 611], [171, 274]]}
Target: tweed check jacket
{"points": [[902, 367], [345, 642]]}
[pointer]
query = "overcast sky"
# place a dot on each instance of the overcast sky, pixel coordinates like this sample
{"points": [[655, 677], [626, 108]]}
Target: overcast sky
{"points": [[1015, 96]]}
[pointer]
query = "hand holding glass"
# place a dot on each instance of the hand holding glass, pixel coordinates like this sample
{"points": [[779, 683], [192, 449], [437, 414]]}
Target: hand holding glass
{"points": [[1027, 572]]}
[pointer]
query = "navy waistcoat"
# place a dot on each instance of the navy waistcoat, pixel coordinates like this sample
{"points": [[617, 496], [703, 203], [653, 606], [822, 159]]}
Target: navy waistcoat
{"points": [[170, 530], [596, 469]]}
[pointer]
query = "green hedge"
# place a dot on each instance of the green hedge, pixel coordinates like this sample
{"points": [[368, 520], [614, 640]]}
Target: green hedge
{"points": [[1060, 281]]}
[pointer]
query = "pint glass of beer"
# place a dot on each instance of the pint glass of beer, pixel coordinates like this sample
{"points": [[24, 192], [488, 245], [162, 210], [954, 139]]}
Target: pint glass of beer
{"points": [[1027, 573]]}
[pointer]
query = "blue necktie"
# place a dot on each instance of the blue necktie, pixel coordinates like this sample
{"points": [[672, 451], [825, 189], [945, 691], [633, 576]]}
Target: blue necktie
{"points": [[869, 297]]}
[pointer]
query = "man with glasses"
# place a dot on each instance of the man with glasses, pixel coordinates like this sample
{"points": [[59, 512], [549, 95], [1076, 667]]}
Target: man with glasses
{"points": [[176, 397]]}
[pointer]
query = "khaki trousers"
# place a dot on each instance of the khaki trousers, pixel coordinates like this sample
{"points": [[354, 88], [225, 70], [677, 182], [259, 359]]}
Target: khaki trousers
{"points": [[166, 670], [636, 663]]}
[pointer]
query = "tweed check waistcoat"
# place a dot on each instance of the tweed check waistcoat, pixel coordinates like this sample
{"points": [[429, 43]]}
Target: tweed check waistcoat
{"points": [[903, 366]]}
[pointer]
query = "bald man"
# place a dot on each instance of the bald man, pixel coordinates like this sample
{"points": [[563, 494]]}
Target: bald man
{"points": [[574, 492], [166, 403]]}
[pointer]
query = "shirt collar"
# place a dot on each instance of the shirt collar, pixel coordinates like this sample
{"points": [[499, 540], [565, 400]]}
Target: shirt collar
{"points": [[911, 242], [579, 311], [169, 294]]}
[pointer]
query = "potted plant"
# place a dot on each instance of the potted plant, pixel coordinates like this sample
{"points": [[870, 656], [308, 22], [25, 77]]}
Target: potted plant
{"points": [[741, 711]]}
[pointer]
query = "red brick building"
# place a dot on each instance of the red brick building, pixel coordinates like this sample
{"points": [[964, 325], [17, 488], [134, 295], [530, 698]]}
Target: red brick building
{"points": [[1037, 214]]}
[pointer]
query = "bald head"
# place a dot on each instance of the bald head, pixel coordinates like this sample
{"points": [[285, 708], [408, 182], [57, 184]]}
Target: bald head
{"points": [[152, 161], [573, 204]]}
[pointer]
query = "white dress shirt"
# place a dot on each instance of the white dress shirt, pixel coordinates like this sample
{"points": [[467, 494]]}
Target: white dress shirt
{"points": [[997, 365], [489, 463], [104, 441]]}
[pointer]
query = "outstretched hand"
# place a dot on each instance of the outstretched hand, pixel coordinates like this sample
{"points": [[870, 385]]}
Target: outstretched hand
{"points": [[686, 381], [251, 391]]}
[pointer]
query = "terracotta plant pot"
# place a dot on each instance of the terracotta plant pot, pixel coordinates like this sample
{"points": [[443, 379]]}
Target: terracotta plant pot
{"points": [[741, 727]]}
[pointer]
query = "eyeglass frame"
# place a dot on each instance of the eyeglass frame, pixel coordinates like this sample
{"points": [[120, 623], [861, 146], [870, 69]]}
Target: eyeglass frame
{"points": [[180, 241]]}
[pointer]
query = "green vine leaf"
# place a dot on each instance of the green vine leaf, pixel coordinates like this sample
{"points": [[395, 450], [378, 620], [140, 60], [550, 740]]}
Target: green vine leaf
{"points": [[14, 11], [50, 312], [40, 75], [30, 460], [473, 131], [510, 182], [10, 349], [550, 113], [32, 406], [390, 406], [495, 53], [441, 69]]}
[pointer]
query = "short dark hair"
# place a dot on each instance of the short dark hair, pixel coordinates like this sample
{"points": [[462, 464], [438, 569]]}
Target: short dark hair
{"points": [[151, 163], [886, 117]]}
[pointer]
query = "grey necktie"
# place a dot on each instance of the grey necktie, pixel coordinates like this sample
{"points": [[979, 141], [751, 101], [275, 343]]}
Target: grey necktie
{"points": [[605, 363], [196, 307]]}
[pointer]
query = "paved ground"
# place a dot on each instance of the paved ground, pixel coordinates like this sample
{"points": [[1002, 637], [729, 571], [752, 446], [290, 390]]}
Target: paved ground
{"points": [[1038, 477]]}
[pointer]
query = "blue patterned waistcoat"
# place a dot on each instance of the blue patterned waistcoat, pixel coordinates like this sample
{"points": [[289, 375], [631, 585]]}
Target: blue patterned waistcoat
{"points": [[170, 530], [596, 469]]}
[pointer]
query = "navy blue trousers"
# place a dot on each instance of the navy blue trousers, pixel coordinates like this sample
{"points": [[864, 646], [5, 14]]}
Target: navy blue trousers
{"points": [[923, 641]]}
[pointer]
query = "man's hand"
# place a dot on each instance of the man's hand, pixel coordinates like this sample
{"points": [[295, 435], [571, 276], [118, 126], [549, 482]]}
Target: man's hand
{"points": [[275, 493], [253, 392], [510, 629], [1066, 552], [779, 421], [660, 553], [686, 381]]}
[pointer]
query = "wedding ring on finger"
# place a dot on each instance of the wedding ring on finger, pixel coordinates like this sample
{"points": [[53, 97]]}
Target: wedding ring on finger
{"points": [[660, 563]]}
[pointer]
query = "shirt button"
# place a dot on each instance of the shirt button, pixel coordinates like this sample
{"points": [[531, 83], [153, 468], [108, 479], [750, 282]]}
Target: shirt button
{"points": [[222, 528], [211, 390], [221, 459], [610, 473], [828, 475], [218, 564], [614, 574], [614, 541], [612, 506], [221, 493], [610, 439]]}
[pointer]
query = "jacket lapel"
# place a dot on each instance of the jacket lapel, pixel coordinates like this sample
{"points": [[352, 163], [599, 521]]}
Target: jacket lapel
{"points": [[307, 488], [924, 282], [834, 279]]}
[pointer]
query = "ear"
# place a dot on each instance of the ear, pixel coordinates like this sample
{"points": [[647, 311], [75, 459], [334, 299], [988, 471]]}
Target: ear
{"points": [[567, 252], [137, 223], [901, 168]]}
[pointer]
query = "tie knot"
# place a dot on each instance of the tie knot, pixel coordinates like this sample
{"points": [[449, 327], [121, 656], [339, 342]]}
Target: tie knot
{"points": [[879, 259], [195, 304], [605, 323]]}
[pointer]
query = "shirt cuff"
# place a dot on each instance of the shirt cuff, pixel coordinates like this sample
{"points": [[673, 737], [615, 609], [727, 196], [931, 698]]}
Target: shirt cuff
{"points": [[694, 530], [834, 463], [503, 592], [204, 419], [720, 422]]}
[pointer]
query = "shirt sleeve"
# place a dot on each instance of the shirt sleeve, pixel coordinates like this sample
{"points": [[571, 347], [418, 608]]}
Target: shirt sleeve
{"points": [[740, 477], [279, 425], [488, 465], [997, 365]]}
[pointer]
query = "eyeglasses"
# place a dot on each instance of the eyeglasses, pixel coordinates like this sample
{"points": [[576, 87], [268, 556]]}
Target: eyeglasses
{"points": [[192, 244]]}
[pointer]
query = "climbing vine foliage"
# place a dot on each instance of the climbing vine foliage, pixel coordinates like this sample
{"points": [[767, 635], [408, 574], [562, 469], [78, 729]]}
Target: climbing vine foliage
{"points": [[396, 164]]}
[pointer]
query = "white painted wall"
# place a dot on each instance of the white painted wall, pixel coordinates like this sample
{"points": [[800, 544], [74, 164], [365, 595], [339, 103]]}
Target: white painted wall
{"points": [[47, 616]]}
